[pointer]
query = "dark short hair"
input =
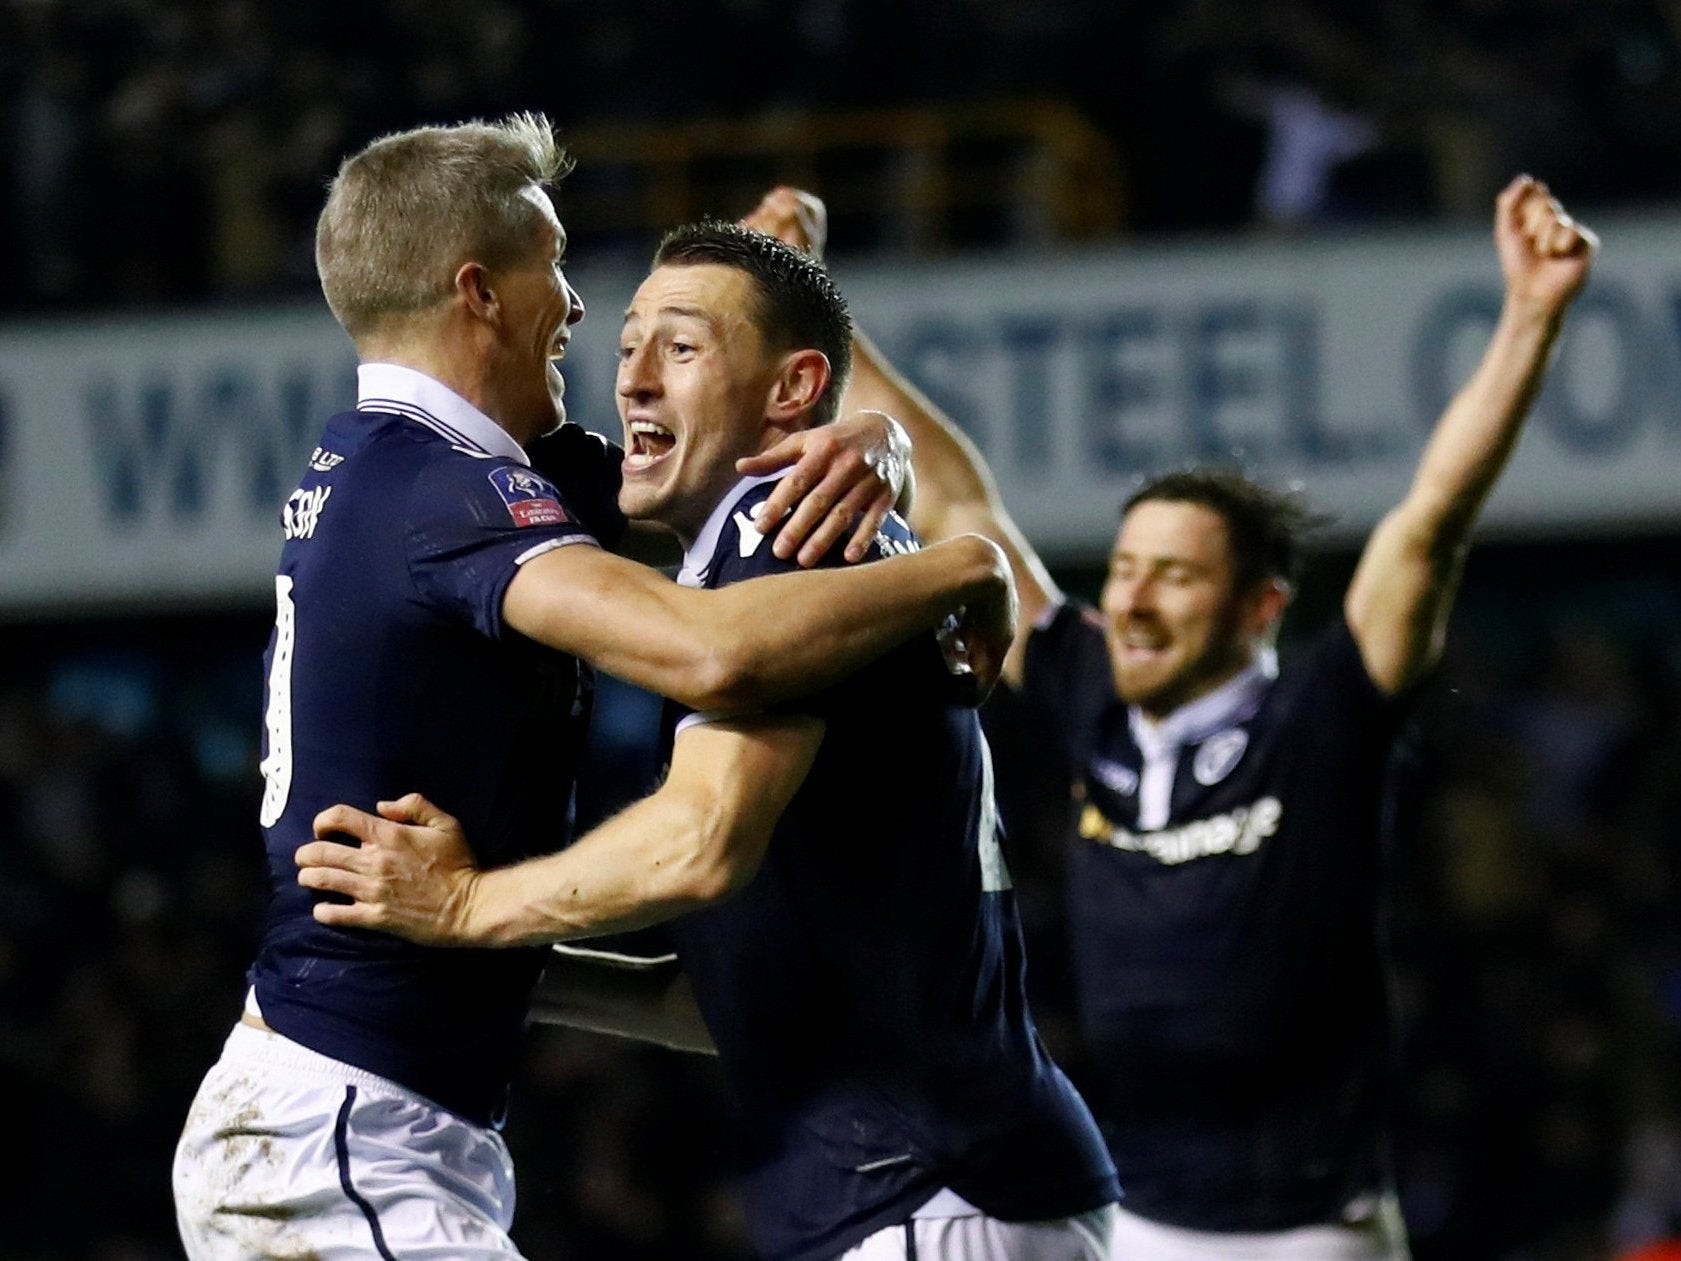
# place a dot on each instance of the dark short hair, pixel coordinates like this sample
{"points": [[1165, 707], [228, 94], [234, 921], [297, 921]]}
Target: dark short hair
{"points": [[1265, 526], [798, 303]]}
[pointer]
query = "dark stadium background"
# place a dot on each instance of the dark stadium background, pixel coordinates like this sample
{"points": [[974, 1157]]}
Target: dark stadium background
{"points": [[165, 156]]}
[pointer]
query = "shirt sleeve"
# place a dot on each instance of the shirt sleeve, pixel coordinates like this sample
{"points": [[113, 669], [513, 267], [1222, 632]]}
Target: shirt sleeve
{"points": [[1066, 667], [472, 524], [1338, 680], [588, 470]]}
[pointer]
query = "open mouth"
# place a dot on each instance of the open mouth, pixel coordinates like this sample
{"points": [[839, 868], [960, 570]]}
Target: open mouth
{"points": [[649, 444], [1140, 642]]}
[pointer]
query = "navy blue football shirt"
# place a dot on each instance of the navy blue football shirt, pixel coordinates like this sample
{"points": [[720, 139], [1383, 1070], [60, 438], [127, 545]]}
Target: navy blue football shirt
{"points": [[1223, 896], [866, 990], [390, 666]]}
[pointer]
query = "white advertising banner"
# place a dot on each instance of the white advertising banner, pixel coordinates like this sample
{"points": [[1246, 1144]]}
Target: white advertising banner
{"points": [[147, 460]]}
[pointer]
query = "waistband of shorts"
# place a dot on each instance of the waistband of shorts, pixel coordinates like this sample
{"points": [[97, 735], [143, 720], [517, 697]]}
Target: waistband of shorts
{"points": [[947, 1203], [264, 1048]]}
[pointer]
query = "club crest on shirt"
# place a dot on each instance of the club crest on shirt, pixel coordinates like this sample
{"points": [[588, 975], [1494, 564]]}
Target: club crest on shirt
{"points": [[748, 537], [1218, 754], [530, 499], [1115, 777]]}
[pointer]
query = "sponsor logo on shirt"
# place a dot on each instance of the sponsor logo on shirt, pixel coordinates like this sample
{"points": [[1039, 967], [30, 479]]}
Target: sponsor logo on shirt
{"points": [[1238, 831], [1218, 754], [530, 499], [325, 461], [302, 512]]}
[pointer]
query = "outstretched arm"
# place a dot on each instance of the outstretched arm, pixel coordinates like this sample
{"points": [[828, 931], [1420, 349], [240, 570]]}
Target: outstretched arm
{"points": [[752, 644], [955, 491], [1404, 586], [694, 842]]}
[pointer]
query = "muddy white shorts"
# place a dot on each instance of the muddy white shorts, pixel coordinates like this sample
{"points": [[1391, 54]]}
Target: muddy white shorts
{"points": [[949, 1228], [289, 1153]]}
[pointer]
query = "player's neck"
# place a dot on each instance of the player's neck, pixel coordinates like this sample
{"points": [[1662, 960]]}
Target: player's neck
{"points": [[451, 358], [1210, 694]]}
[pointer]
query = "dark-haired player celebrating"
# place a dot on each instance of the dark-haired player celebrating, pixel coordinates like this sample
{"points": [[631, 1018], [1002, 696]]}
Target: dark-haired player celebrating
{"points": [[864, 984], [439, 603], [1223, 888]]}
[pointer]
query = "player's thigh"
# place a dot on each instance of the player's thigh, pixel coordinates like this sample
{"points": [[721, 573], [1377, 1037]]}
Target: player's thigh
{"points": [[1380, 1238], [979, 1238], [336, 1172]]}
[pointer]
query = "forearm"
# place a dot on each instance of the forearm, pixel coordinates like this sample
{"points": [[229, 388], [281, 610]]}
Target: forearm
{"points": [[955, 492], [752, 643], [649, 863], [694, 842], [796, 634], [1477, 433], [950, 471], [649, 1004]]}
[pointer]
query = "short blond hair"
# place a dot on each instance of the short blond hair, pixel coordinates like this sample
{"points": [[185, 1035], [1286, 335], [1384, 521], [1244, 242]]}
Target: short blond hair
{"points": [[407, 211]]}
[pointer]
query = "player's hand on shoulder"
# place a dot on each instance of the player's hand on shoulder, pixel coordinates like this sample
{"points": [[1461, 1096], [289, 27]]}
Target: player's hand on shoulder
{"points": [[1544, 253], [794, 217], [410, 871], [846, 477]]}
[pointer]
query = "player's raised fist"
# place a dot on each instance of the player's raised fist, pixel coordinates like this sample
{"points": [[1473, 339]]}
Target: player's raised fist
{"points": [[1545, 254], [792, 216]]}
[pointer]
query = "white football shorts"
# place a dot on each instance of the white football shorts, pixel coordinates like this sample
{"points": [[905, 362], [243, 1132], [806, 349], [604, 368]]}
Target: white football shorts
{"points": [[289, 1153], [949, 1228]]}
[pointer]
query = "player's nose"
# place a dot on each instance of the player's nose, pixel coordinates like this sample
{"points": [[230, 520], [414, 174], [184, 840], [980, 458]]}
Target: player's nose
{"points": [[637, 377]]}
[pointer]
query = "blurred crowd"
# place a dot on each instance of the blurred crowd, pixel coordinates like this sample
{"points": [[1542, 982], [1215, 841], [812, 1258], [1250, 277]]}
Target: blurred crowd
{"points": [[174, 151], [1535, 929]]}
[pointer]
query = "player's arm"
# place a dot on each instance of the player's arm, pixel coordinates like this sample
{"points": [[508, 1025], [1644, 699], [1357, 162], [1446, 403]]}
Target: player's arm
{"points": [[842, 476], [651, 1003], [755, 643], [1404, 586], [955, 492], [692, 843]]}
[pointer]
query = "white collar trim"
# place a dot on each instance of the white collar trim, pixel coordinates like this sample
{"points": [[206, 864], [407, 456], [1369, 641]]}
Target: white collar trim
{"points": [[391, 387], [698, 558], [1234, 701]]}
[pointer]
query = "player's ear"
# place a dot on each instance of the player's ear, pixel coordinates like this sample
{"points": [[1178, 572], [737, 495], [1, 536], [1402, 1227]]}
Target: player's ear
{"points": [[1267, 605], [798, 385], [473, 290]]}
